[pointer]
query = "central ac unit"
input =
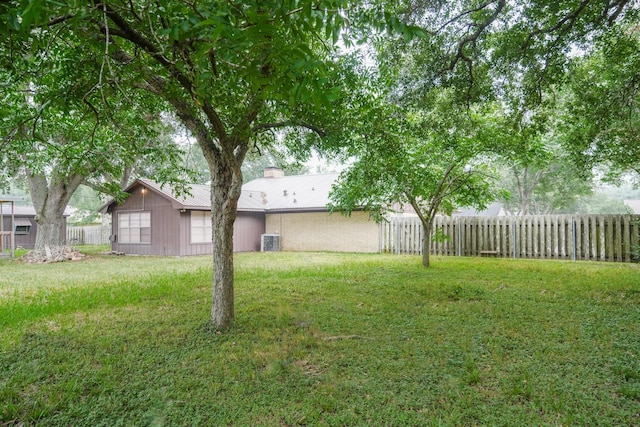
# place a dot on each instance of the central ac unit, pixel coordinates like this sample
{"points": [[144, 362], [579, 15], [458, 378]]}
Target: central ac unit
{"points": [[270, 243]]}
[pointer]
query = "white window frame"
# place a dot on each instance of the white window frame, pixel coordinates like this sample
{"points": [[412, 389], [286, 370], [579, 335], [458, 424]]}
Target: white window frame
{"points": [[22, 229], [134, 227], [200, 227]]}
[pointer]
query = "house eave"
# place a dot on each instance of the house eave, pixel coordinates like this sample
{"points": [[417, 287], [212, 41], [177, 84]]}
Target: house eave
{"points": [[302, 210]]}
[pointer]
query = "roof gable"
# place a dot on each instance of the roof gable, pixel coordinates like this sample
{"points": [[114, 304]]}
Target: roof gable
{"points": [[198, 197]]}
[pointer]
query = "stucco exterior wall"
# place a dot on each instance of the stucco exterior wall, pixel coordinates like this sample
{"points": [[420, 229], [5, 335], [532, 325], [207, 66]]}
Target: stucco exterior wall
{"points": [[322, 231]]}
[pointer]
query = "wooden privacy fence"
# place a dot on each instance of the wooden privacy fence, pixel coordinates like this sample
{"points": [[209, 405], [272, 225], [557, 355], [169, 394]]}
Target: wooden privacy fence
{"points": [[88, 235], [583, 237]]}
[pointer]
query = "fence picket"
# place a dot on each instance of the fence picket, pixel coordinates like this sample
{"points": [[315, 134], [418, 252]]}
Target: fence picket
{"points": [[601, 235], [617, 245], [626, 244]]}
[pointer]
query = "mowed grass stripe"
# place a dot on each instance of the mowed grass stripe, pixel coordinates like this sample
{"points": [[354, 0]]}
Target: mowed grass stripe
{"points": [[328, 339]]}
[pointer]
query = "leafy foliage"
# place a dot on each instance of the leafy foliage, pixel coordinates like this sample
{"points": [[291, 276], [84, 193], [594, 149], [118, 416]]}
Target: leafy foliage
{"points": [[538, 173], [430, 159], [602, 122], [66, 117]]}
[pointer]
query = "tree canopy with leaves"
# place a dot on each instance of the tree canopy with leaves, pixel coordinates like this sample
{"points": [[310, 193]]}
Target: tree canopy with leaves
{"points": [[538, 173], [601, 124], [477, 46], [512, 55]]}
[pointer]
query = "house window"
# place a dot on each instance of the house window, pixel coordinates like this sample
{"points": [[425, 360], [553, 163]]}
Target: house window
{"points": [[134, 227], [200, 227], [22, 226]]}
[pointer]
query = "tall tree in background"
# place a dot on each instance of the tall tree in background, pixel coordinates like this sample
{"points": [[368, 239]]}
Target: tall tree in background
{"points": [[549, 183], [514, 54], [538, 173], [601, 125], [59, 134]]}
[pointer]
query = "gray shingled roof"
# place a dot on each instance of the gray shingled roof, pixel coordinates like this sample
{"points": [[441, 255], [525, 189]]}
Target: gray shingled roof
{"points": [[22, 210], [286, 193], [199, 197], [25, 210]]}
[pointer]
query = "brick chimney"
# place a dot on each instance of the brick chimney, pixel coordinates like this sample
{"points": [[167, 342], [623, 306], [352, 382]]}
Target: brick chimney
{"points": [[273, 172]]}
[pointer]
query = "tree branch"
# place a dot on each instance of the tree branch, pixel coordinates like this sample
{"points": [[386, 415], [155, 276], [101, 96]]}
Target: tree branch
{"points": [[129, 33], [462, 14], [569, 19], [472, 38], [279, 125]]}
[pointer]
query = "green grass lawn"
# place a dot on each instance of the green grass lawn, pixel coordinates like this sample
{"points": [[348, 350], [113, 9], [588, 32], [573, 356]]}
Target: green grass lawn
{"points": [[320, 339]]}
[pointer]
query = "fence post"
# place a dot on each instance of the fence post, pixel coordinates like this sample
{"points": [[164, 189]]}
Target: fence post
{"points": [[459, 242], [574, 238]]}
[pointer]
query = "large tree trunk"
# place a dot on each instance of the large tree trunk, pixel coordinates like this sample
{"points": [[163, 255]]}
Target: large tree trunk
{"points": [[226, 185], [50, 199], [50, 235], [224, 155]]}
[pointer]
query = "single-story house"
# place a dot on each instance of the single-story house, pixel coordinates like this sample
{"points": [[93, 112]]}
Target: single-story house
{"points": [[21, 220], [154, 220]]}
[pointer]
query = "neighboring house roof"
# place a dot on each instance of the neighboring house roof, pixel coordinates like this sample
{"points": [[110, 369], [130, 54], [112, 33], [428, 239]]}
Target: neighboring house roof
{"points": [[494, 209], [21, 210], [24, 210], [276, 194], [634, 205]]}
